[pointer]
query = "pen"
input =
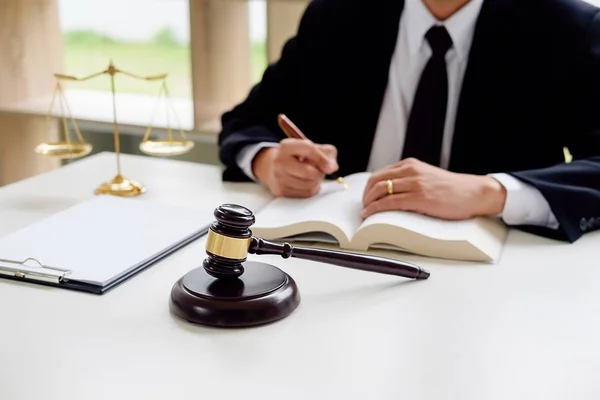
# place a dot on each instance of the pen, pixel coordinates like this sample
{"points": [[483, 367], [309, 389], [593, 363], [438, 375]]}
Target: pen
{"points": [[293, 132]]}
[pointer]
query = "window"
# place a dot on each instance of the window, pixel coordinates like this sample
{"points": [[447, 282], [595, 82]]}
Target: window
{"points": [[258, 37], [145, 37], [213, 51], [142, 37]]}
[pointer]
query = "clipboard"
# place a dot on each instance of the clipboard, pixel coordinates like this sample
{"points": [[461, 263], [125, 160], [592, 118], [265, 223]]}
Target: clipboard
{"points": [[99, 244], [46, 275]]}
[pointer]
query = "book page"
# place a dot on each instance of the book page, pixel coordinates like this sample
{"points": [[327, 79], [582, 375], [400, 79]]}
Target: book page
{"points": [[104, 237], [422, 224], [474, 239], [334, 205]]}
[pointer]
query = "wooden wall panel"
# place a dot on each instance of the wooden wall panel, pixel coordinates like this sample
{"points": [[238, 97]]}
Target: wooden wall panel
{"points": [[31, 51], [283, 17], [221, 64]]}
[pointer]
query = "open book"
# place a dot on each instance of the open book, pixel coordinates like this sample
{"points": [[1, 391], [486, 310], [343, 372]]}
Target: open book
{"points": [[333, 216]]}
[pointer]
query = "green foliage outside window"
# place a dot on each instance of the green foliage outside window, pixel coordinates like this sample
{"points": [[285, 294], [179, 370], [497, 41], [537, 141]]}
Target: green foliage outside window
{"points": [[87, 52]]}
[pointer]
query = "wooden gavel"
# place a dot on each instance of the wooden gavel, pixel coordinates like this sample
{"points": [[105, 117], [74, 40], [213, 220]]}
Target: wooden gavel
{"points": [[230, 291], [230, 240]]}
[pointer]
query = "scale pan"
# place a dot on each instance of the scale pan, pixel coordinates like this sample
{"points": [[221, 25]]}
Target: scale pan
{"points": [[64, 150], [166, 147]]}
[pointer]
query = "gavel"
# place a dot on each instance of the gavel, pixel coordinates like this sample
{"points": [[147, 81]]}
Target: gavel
{"points": [[230, 291], [230, 240]]}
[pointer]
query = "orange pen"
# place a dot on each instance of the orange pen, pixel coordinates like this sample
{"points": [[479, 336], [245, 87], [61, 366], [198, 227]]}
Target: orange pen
{"points": [[293, 132]]}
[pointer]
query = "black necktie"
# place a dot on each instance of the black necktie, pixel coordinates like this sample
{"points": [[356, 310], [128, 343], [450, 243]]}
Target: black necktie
{"points": [[425, 130]]}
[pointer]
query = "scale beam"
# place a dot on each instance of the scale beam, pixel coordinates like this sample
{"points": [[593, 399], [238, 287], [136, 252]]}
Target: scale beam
{"points": [[69, 149]]}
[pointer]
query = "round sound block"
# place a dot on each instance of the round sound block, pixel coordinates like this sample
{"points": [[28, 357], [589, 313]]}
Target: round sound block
{"points": [[262, 294]]}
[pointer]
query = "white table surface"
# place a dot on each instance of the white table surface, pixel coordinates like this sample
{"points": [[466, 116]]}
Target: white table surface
{"points": [[526, 328]]}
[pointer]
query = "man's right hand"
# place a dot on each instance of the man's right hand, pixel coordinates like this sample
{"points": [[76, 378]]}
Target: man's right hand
{"points": [[296, 168]]}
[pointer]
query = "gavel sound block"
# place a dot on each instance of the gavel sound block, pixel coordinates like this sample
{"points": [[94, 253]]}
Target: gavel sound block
{"points": [[230, 291]]}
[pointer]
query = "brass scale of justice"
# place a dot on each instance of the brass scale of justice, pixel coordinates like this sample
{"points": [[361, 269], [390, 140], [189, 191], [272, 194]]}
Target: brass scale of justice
{"points": [[227, 290], [119, 185]]}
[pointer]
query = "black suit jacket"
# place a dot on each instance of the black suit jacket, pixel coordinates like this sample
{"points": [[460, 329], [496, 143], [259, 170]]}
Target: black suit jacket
{"points": [[532, 87]]}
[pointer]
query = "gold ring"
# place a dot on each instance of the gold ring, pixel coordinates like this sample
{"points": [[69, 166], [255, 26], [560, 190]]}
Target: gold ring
{"points": [[390, 186]]}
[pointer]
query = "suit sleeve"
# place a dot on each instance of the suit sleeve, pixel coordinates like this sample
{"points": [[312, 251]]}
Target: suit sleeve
{"points": [[573, 189], [255, 119]]}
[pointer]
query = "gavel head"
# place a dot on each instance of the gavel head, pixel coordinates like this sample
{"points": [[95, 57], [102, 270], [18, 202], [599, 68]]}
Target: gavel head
{"points": [[228, 240]]}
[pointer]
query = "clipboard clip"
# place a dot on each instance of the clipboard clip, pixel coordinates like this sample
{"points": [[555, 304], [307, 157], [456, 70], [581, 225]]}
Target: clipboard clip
{"points": [[34, 272]]}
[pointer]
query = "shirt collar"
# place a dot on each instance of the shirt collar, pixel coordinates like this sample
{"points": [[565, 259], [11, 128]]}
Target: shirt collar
{"points": [[460, 26]]}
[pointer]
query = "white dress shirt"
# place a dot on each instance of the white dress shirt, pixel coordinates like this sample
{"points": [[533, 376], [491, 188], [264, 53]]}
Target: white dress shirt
{"points": [[524, 203]]}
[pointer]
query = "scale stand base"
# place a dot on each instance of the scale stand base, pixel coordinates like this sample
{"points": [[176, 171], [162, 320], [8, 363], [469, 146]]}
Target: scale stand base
{"points": [[262, 294], [119, 186]]}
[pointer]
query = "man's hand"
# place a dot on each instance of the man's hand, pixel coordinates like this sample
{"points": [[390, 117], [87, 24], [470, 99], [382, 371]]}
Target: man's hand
{"points": [[295, 168], [432, 191]]}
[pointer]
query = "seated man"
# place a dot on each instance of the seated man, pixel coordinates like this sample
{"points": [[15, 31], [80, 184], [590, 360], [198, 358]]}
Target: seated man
{"points": [[460, 108]]}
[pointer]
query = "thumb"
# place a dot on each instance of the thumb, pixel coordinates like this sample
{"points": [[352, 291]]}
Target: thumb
{"points": [[331, 152], [329, 149]]}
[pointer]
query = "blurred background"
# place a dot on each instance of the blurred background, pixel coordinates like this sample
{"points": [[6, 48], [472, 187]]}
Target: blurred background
{"points": [[146, 36], [212, 50]]}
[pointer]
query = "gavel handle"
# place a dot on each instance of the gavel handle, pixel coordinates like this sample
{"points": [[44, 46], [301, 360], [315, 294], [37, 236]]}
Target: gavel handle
{"points": [[343, 259]]}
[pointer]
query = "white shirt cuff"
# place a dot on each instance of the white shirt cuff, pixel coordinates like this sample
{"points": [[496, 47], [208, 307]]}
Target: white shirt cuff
{"points": [[525, 205], [245, 157]]}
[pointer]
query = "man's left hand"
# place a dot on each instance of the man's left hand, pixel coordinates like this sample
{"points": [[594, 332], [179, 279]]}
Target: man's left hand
{"points": [[432, 191]]}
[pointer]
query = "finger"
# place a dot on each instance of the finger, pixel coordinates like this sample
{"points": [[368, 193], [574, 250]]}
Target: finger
{"points": [[302, 170], [331, 152], [401, 202], [411, 161], [398, 164], [292, 183], [378, 176], [309, 152], [402, 185], [406, 170], [299, 193], [285, 179]]}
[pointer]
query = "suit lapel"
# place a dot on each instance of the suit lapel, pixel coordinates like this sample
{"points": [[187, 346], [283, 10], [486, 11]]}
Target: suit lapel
{"points": [[484, 71], [378, 34]]}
